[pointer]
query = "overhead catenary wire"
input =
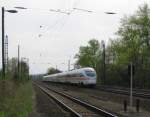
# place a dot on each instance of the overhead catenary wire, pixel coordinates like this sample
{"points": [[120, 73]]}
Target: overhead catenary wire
{"points": [[54, 25], [60, 22], [61, 26], [67, 17], [66, 12], [70, 12], [42, 10], [63, 11], [63, 20]]}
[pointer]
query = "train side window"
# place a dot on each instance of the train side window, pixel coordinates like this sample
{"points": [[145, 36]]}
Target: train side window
{"points": [[78, 75], [90, 73], [81, 75]]}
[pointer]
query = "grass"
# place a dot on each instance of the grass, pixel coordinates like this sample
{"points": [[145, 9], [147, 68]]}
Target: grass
{"points": [[15, 99]]}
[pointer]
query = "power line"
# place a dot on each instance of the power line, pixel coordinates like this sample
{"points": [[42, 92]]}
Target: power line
{"points": [[54, 24], [59, 29], [63, 19]]}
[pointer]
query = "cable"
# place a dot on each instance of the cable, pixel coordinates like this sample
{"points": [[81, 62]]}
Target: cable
{"points": [[55, 25], [61, 26], [71, 10]]}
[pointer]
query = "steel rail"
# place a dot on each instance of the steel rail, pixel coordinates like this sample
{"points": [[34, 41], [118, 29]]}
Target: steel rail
{"points": [[125, 92], [73, 112], [85, 104]]}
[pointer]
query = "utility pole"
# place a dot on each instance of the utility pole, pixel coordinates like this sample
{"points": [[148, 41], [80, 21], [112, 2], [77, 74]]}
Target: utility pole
{"points": [[56, 67], [18, 62], [131, 72], [104, 65], [69, 65], [6, 53], [3, 37], [131, 85], [28, 69]]}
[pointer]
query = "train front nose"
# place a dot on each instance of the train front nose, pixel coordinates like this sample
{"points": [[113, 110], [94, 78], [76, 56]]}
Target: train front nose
{"points": [[92, 80]]}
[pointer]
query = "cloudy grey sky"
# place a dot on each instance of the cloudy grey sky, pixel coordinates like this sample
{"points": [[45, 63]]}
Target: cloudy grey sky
{"points": [[61, 35]]}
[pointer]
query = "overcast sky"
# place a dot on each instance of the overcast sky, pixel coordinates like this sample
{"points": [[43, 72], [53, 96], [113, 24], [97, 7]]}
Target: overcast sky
{"points": [[61, 35]]}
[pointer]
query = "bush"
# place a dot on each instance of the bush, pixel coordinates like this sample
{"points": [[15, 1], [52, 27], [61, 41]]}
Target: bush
{"points": [[16, 99]]}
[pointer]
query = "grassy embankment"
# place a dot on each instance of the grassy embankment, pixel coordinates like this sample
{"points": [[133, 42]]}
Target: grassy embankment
{"points": [[15, 99]]}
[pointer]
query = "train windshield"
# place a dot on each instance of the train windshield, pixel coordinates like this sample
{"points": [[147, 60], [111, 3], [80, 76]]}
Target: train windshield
{"points": [[90, 73]]}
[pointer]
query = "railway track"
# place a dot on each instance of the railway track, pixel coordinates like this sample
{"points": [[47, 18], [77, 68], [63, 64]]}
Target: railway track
{"points": [[126, 91], [139, 93], [75, 106]]}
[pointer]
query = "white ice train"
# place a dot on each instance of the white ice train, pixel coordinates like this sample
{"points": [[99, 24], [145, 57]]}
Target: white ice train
{"points": [[83, 76]]}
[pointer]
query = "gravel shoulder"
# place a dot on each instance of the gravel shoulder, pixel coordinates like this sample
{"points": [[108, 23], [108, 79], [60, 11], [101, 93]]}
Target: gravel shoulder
{"points": [[45, 106]]}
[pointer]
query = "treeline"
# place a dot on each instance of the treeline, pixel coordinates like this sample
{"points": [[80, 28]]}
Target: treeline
{"points": [[52, 70], [15, 90], [132, 44], [16, 71]]}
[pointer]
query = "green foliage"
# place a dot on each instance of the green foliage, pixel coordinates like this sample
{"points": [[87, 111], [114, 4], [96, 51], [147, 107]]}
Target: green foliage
{"points": [[90, 55], [14, 72], [16, 100], [131, 45], [16, 90], [24, 71], [52, 70]]}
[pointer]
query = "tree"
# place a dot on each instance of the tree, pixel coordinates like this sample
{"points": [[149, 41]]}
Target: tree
{"points": [[133, 43], [24, 71], [87, 55], [134, 35], [52, 70], [12, 70], [90, 55]]}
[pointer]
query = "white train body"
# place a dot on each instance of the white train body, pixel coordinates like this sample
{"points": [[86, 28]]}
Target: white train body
{"points": [[85, 76]]}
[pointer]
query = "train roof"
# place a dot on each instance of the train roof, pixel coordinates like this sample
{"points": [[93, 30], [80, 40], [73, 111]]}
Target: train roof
{"points": [[72, 71]]}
